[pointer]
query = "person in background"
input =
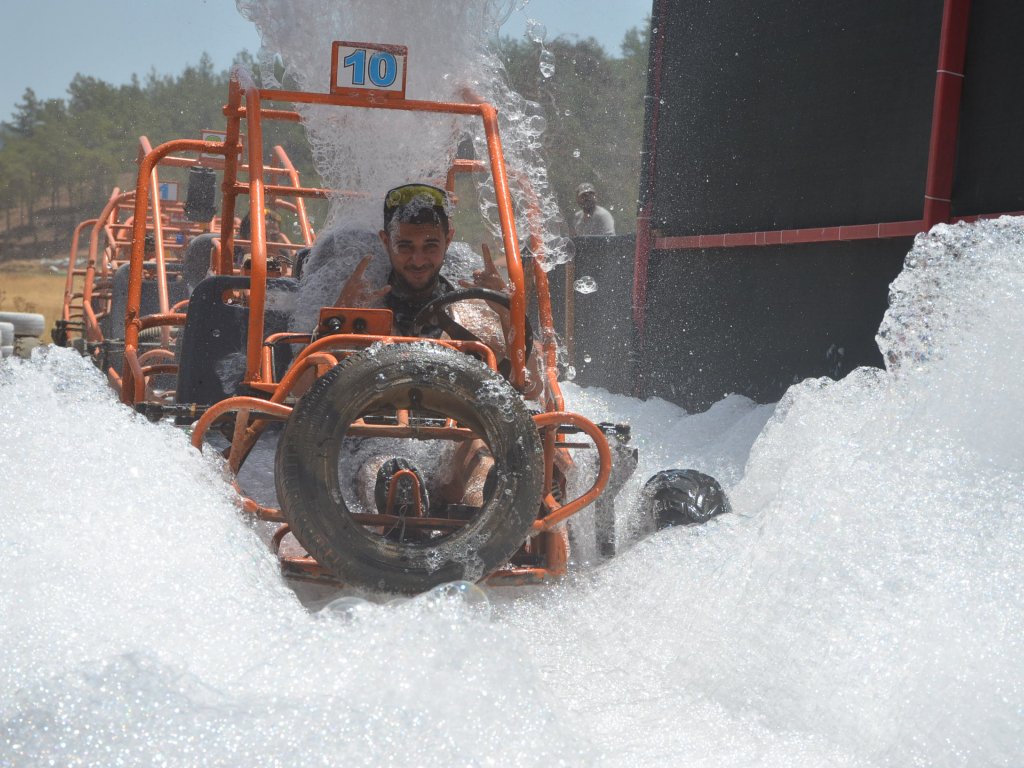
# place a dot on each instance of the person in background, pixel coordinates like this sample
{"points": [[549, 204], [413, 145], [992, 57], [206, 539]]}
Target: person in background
{"points": [[591, 219], [274, 234]]}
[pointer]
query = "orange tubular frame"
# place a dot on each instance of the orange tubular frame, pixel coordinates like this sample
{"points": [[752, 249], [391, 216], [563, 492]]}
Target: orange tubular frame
{"points": [[547, 542]]}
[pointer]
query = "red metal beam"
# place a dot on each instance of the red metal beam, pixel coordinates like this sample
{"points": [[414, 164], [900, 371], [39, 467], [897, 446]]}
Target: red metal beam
{"points": [[643, 219], [792, 236], [949, 81], [811, 235]]}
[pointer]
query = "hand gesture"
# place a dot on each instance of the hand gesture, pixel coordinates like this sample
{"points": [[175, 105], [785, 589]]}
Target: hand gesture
{"points": [[488, 277], [357, 291]]}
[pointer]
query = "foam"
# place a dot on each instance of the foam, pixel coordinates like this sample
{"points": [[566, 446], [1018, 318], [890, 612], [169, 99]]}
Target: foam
{"points": [[145, 623], [863, 604]]}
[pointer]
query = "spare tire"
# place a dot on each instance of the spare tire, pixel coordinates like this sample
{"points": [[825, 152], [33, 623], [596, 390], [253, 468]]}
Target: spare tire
{"points": [[425, 378], [682, 497], [25, 323]]}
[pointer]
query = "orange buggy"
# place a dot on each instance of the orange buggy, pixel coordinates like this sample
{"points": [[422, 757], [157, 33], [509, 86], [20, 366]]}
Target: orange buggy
{"points": [[372, 387]]}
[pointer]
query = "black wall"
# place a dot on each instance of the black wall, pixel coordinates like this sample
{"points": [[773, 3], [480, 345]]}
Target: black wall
{"points": [[722, 321], [787, 114], [990, 152], [784, 114], [603, 328], [755, 320]]}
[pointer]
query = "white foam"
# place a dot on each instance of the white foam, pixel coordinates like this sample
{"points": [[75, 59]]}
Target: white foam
{"points": [[862, 606], [144, 623]]}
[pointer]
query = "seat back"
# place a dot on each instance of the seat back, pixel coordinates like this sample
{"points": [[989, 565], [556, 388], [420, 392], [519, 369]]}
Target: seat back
{"points": [[212, 346]]}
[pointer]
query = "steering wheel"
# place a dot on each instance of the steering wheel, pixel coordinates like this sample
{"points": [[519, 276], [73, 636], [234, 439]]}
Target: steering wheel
{"points": [[433, 313]]}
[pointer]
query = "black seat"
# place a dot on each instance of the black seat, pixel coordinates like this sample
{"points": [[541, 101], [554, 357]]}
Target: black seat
{"points": [[212, 348], [112, 325]]}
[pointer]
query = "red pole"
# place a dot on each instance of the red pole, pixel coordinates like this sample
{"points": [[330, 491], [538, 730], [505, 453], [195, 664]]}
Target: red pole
{"points": [[949, 81], [643, 219]]}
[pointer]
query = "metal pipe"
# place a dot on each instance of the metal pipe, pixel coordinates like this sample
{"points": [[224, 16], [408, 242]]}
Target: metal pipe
{"points": [[258, 236], [949, 82], [648, 162], [146, 166]]}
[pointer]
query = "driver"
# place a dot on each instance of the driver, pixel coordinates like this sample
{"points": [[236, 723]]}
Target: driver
{"points": [[416, 235]]}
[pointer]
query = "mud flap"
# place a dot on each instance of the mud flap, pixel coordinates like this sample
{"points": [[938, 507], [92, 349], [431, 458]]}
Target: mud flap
{"points": [[624, 461]]}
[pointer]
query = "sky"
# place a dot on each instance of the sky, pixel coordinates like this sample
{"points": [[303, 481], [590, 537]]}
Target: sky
{"points": [[44, 43]]}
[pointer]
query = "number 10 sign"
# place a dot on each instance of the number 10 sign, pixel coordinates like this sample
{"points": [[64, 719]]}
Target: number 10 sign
{"points": [[368, 68]]}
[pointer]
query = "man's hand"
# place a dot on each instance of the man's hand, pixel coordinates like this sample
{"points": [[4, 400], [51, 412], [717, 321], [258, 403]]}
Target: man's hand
{"points": [[488, 277], [357, 291]]}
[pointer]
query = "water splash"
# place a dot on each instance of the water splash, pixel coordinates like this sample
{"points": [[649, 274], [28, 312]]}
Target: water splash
{"points": [[450, 59]]}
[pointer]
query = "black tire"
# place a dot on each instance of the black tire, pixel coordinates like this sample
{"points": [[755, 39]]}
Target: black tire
{"points": [[435, 379], [682, 497]]}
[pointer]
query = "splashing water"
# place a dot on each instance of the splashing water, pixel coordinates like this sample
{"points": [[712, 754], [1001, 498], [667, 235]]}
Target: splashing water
{"points": [[547, 63], [864, 606], [449, 60], [535, 31]]}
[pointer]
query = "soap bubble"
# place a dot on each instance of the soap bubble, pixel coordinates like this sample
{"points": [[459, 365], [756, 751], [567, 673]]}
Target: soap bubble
{"points": [[466, 595], [348, 607], [585, 284]]}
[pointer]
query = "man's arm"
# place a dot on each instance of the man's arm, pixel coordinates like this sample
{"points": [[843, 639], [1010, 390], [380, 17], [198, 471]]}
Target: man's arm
{"points": [[357, 291], [490, 278]]}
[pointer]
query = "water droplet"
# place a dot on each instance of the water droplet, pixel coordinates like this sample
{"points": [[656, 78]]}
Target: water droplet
{"points": [[547, 63], [587, 358], [585, 284], [570, 373], [215, 333], [576, 153], [568, 112], [536, 31]]}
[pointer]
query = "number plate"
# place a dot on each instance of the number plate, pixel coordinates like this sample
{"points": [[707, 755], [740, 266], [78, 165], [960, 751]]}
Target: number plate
{"points": [[368, 69]]}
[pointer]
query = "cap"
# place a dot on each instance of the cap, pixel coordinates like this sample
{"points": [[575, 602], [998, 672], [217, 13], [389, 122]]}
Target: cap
{"points": [[584, 188]]}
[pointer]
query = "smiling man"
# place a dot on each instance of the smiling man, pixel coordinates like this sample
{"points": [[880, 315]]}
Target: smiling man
{"points": [[416, 235]]}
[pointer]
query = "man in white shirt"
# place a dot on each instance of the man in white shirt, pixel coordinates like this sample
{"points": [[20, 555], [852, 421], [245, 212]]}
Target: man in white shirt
{"points": [[591, 219]]}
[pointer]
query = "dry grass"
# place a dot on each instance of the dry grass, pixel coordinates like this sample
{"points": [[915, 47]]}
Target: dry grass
{"points": [[28, 287]]}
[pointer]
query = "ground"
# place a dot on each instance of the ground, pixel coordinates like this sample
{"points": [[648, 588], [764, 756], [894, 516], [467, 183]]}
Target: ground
{"points": [[27, 286]]}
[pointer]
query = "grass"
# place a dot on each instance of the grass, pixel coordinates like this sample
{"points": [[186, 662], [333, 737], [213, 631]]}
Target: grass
{"points": [[29, 287]]}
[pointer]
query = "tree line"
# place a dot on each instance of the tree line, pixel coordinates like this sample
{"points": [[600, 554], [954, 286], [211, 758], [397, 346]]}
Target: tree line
{"points": [[59, 158]]}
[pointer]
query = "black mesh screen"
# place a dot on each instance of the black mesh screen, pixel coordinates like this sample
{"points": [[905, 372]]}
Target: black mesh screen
{"points": [[754, 320], [783, 114], [990, 153]]}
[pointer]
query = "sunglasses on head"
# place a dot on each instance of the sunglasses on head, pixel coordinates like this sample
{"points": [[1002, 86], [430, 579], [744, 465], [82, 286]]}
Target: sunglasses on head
{"points": [[406, 194]]}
